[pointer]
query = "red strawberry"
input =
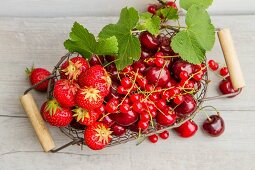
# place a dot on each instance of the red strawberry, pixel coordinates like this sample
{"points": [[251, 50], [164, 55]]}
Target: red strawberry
{"points": [[89, 98], [85, 117], [72, 68], [96, 76], [36, 75], [97, 136], [55, 115], [64, 92]]}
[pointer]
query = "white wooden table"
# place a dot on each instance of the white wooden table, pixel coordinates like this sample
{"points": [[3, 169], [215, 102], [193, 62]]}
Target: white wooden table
{"points": [[24, 41]]}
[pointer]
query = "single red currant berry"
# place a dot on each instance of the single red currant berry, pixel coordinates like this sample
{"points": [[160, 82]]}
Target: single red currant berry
{"points": [[154, 97], [126, 101], [153, 138], [138, 107], [152, 9], [159, 55], [171, 4], [125, 108], [128, 69], [135, 97], [224, 71], [174, 91], [112, 105], [153, 113], [121, 90], [184, 75], [213, 65], [143, 125], [145, 117], [150, 62], [178, 99], [142, 82], [149, 87], [198, 76], [161, 104], [164, 135], [159, 61], [166, 95], [126, 82]]}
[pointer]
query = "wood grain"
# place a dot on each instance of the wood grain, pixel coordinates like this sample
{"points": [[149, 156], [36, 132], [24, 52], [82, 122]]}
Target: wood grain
{"points": [[24, 41]]}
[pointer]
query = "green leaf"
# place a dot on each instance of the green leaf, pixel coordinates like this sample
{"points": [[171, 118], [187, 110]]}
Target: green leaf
{"points": [[170, 13], [83, 42], [200, 26], [187, 47], [186, 4], [129, 45], [149, 22], [198, 38]]}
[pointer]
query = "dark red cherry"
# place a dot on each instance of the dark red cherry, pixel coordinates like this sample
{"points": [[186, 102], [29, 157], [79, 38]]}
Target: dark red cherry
{"points": [[180, 66], [164, 134], [77, 125], [158, 76], [188, 106], [113, 92], [214, 126], [109, 58], [226, 86], [146, 54], [96, 60], [139, 66], [106, 120], [118, 130], [152, 9], [187, 129], [148, 40], [125, 119]]}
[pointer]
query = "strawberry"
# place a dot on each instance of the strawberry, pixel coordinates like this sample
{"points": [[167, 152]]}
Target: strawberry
{"points": [[97, 136], [55, 115], [36, 75], [85, 117], [89, 98], [72, 68], [96, 76], [64, 92]]}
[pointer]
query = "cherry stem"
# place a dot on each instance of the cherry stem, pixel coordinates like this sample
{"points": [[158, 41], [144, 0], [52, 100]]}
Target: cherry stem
{"points": [[202, 108]]}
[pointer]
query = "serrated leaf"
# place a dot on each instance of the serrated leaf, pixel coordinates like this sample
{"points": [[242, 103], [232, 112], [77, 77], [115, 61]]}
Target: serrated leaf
{"points": [[188, 48], [83, 42], [129, 45], [149, 22], [200, 26], [170, 13], [186, 4]]}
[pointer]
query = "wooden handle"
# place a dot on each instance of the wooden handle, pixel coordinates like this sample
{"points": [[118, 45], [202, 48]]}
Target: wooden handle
{"points": [[231, 58], [37, 122]]}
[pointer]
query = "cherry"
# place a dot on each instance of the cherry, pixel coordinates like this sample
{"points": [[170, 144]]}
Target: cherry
{"points": [[96, 60], [214, 125], [187, 129], [107, 120], [148, 40], [125, 119], [188, 106], [77, 125], [170, 83], [118, 130], [152, 9], [180, 66], [143, 125], [124, 108], [126, 82], [158, 76], [133, 127], [164, 134], [164, 45], [145, 54], [144, 117], [226, 86], [213, 65], [112, 105], [110, 58], [167, 118], [153, 138], [224, 71], [113, 92], [171, 4], [139, 66]]}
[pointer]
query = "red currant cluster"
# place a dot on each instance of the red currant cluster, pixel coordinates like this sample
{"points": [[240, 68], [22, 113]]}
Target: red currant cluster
{"points": [[155, 8]]}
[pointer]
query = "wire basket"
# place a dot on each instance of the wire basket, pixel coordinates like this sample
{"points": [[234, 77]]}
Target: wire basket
{"points": [[76, 135]]}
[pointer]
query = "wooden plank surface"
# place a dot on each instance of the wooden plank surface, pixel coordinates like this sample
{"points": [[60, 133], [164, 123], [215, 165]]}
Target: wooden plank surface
{"points": [[24, 41]]}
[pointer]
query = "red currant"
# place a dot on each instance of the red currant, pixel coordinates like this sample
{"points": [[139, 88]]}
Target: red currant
{"points": [[171, 4], [126, 101], [178, 99], [143, 125], [153, 113], [128, 69], [152, 9], [154, 97], [174, 91], [126, 82], [135, 97], [164, 135], [159, 61], [124, 108], [149, 87], [159, 54], [112, 105], [121, 90], [153, 138], [138, 107], [184, 75], [142, 82], [198, 76], [224, 71], [161, 104], [166, 95], [144, 117], [213, 65]]}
